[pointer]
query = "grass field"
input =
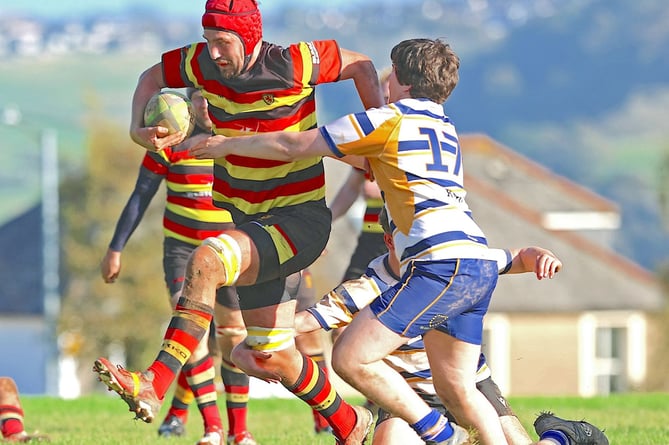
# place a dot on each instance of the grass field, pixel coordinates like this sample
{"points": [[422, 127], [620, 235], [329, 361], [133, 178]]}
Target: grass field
{"points": [[630, 419]]}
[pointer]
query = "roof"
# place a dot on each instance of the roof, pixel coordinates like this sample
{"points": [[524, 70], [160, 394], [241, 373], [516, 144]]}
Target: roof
{"points": [[510, 209]]}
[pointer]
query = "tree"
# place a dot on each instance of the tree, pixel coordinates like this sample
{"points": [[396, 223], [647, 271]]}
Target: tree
{"points": [[130, 314]]}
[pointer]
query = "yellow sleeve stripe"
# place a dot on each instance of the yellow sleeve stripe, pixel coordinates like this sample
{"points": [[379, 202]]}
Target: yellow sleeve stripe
{"points": [[307, 66]]}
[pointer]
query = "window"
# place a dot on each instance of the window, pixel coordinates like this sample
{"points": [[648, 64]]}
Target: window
{"points": [[610, 359], [612, 352]]}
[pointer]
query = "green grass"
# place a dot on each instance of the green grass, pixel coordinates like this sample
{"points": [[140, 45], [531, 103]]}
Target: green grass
{"points": [[630, 419]]}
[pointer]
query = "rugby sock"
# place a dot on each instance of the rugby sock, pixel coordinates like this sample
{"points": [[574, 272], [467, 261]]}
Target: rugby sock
{"points": [[314, 387], [189, 323], [320, 422], [433, 427], [183, 397], [236, 385], [200, 376], [11, 420], [556, 436]]}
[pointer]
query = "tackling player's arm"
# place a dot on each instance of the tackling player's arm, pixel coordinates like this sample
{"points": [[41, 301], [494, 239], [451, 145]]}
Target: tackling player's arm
{"points": [[278, 145], [150, 82], [543, 262]]}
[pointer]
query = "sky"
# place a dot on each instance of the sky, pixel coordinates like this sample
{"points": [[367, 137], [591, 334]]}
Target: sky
{"points": [[65, 8]]}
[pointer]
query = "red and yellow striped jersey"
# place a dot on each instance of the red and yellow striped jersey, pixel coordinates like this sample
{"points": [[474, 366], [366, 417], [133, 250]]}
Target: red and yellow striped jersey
{"points": [[277, 93], [190, 214]]}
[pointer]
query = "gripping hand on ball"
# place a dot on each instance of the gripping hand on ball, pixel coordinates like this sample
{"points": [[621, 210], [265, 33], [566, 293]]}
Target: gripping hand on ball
{"points": [[156, 138]]}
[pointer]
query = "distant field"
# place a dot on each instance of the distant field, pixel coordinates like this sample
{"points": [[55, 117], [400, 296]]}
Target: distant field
{"points": [[64, 94], [68, 94], [632, 419]]}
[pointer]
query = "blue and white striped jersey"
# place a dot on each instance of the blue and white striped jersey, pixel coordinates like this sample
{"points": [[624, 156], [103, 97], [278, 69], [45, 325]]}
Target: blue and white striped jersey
{"points": [[414, 153]]}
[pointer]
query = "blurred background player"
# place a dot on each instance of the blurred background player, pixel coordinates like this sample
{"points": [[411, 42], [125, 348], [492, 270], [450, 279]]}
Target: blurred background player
{"points": [[189, 218], [11, 415]]}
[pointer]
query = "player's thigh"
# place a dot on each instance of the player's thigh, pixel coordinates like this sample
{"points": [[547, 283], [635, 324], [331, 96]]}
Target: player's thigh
{"points": [[288, 240], [365, 340], [453, 362]]}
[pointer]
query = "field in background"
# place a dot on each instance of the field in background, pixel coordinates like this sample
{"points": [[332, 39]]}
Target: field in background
{"points": [[630, 419]]}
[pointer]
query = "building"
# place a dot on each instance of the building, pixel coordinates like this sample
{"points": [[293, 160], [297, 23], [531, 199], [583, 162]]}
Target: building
{"points": [[586, 332], [26, 339]]}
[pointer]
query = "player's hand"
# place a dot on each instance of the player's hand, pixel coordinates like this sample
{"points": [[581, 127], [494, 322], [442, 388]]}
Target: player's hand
{"points": [[189, 142], [156, 138], [212, 147], [547, 265], [110, 266], [254, 363]]}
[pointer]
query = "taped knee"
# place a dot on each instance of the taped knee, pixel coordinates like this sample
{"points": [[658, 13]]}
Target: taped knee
{"points": [[270, 339], [230, 254]]}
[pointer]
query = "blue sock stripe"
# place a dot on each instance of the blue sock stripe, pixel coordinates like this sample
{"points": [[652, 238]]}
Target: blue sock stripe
{"points": [[433, 427]]}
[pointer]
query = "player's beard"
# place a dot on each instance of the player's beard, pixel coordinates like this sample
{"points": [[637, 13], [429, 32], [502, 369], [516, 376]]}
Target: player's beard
{"points": [[230, 70]]}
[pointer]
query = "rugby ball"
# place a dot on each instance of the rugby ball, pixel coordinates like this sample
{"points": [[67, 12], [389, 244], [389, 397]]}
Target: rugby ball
{"points": [[172, 110]]}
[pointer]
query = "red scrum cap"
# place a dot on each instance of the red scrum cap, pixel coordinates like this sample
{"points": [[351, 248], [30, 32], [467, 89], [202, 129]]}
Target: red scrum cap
{"points": [[241, 17]]}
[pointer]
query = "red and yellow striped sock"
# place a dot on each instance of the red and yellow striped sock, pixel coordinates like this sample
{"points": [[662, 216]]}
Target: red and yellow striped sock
{"points": [[320, 422], [314, 387], [236, 385], [189, 323], [182, 399], [200, 376]]}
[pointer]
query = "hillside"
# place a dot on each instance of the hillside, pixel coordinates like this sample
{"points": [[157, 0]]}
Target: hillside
{"points": [[578, 86]]}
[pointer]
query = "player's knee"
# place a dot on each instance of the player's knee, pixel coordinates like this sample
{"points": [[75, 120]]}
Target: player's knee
{"points": [[341, 363], [227, 252]]}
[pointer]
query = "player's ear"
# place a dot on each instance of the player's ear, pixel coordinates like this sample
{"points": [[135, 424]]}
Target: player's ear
{"points": [[388, 239]]}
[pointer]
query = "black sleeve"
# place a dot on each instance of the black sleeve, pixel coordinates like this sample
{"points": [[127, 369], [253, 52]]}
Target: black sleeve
{"points": [[145, 189]]}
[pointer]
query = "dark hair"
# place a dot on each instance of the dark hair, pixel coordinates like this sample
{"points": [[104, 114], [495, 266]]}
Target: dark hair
{"points": [[429, 66]]}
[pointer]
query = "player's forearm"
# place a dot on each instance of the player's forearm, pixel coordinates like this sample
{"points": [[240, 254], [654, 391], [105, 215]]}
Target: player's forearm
{"points": [[150, 82], [279, 146], [306, 323], [344, 199], [360, 68]]}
